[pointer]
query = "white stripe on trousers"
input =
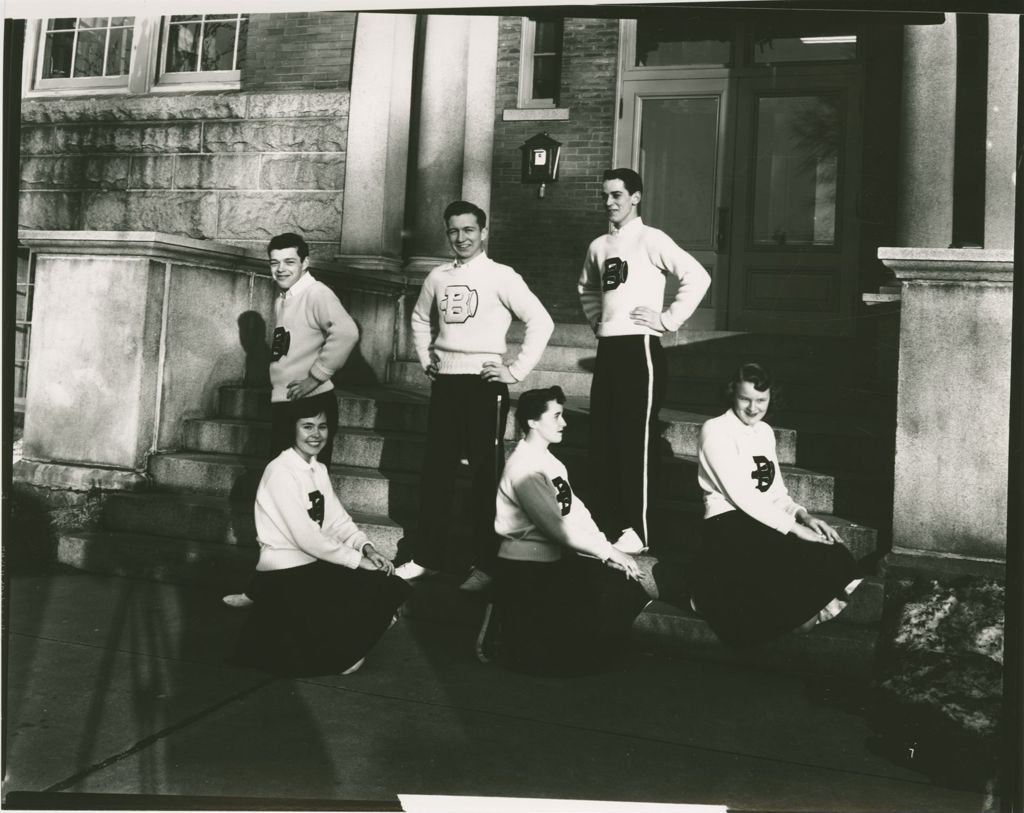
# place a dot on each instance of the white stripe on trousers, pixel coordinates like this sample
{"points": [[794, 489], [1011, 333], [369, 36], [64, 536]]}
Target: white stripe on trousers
{"points": [[647, 427]]}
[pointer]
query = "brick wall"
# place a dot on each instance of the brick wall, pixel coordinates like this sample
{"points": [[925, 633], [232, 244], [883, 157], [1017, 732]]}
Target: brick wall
{"points": [[299, 50], [546, 239]]}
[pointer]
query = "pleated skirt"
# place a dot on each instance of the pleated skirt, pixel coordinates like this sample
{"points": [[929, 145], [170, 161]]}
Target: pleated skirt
{"points": [[316, 619], [753, 584], [569, 617]]}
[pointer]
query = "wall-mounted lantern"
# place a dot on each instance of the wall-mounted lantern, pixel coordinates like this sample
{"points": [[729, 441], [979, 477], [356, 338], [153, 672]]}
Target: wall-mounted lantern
{"points": [[540, 160]]}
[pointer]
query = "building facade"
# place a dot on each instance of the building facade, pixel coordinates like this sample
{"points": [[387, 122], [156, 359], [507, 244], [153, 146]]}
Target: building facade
{"points": [[827, 169]]}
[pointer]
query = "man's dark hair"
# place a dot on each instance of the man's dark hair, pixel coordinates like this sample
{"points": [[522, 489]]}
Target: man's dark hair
{"points": [[534, 403], [630, 178], [464, 207], [288, 240]]}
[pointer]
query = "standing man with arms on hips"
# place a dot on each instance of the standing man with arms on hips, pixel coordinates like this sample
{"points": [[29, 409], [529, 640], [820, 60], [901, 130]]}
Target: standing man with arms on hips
{"points": [[622, 290], [475, 299], [313, 338]]}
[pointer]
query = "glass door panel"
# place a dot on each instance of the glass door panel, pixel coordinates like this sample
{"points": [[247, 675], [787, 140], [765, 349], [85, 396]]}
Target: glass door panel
{"points": [[680, 184], [672, 133], [795, 178], [795, 237]]}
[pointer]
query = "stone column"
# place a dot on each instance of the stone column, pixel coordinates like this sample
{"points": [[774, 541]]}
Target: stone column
{"points": [[952, 413], [1001, 127], [456, 129], [925, 209], [377, 154]]}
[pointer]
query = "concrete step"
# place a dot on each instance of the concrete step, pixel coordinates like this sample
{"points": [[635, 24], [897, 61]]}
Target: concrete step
{"points": [[243, 403], [214, 519], [844, 648], [397, 450], [158, 558], [834, 648], [859, 443]]}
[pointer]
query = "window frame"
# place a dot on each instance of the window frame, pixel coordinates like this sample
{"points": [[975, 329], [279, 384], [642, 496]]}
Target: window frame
{"points": [[148, 38], [527, 53], [27, 256]]}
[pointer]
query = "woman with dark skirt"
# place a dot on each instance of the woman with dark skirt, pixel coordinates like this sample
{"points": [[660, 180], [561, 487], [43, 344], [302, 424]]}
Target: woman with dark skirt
{"points": [[565, 597], [323, 595], [765, 566]]}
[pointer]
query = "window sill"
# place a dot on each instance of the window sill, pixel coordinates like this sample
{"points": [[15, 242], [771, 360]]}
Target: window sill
{"points": [[535, 114]]}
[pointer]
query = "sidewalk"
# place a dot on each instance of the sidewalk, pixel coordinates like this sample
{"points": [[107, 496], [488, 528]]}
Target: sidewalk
{"points": [[116, 686]]}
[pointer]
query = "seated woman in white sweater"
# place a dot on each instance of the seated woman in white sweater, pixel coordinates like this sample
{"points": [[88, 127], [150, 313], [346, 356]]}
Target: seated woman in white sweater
{"points": [[765, 566], [324, 595], [565, 597]]}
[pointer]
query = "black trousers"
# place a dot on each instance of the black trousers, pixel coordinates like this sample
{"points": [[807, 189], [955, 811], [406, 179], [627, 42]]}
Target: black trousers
{"points": [[466, 419], [626, 394], [282, 423]]}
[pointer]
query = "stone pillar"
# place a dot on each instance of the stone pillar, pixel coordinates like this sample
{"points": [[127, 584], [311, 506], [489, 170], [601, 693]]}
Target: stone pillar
{"points": [[952, 414], [925, 208], [132, 332], [378, 142], [1001, 128], [456, 128]]}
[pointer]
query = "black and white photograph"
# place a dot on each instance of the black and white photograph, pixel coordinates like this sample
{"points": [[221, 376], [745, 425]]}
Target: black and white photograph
{"points": [[606, 408]]}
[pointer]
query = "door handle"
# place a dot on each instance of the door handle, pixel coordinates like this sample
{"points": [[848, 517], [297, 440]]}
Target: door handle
{"points": [[722, 236]]}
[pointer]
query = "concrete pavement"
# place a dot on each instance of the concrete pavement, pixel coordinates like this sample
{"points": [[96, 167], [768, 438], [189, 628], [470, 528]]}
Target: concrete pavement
{"points": [[117, 686]]}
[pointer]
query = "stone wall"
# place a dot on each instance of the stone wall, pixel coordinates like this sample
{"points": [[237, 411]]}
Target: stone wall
{"points": [[233, 167], [545, 239]]}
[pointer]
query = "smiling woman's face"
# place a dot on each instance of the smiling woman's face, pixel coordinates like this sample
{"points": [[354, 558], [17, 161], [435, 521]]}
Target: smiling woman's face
{"points": [[750, 404]]}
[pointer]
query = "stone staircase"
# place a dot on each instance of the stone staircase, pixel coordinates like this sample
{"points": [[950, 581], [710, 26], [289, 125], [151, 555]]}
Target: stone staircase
{"points": [[196, 524]]}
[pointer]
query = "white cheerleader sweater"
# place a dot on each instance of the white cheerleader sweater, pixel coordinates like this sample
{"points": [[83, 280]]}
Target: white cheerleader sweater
{"points": [[299, 518], [475, 304], [315, 333], [738, 469], [626, 268], [537, 514]]}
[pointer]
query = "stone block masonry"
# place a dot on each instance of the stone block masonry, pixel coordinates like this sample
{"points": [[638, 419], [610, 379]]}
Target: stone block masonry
{"points": [[233, 166], [237, 169], [546, 239]]}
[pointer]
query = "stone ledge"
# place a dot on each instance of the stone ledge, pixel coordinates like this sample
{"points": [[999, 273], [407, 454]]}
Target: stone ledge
{"points": [[67, 477], [152, 244], [908, 562], [166, 107], [949, 264]]}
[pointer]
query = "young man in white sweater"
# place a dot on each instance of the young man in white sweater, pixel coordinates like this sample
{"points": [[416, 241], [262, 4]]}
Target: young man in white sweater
{"points": [[475, 299], [622, 289], [313, 338]]}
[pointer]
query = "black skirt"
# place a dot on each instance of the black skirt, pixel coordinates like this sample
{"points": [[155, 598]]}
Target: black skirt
{"points": [[316, 619], [569, 617], [752, 583]]}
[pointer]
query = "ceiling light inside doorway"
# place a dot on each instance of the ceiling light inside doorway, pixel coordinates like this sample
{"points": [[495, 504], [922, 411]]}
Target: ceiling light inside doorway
{"points": [[833, 40]]}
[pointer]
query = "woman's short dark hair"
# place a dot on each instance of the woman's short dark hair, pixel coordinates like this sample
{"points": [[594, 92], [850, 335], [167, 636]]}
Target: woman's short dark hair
{"points": [[464, 207], [753, 373], [288, 240], [534, 403], [302, 408]]}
